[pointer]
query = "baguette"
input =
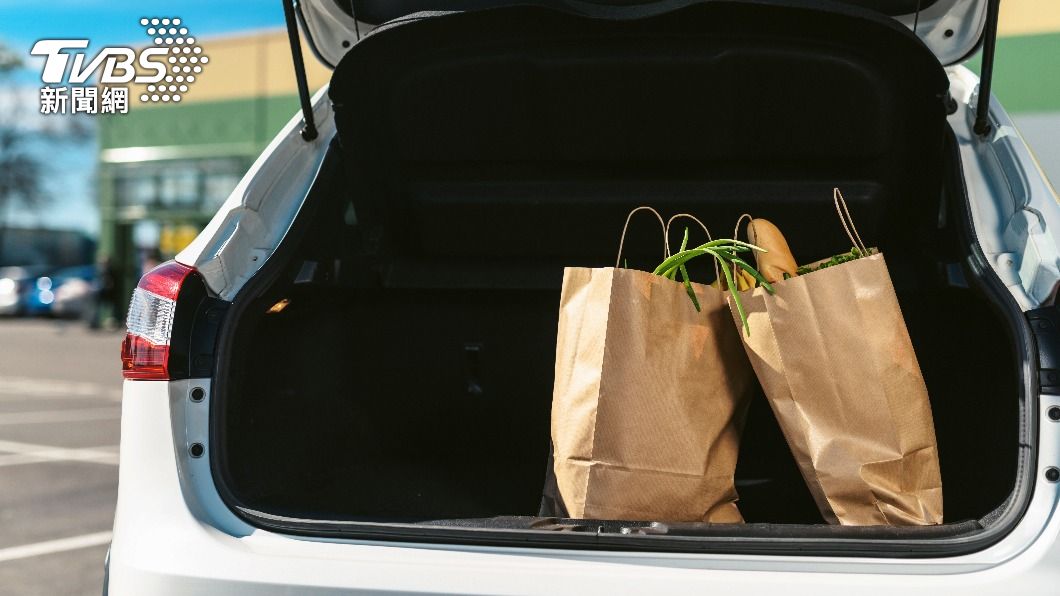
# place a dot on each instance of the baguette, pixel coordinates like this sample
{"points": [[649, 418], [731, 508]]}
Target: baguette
{"points": [[778, 263]]}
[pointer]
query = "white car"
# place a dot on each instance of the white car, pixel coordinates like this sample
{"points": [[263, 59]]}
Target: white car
{"points": [[343, 385]]}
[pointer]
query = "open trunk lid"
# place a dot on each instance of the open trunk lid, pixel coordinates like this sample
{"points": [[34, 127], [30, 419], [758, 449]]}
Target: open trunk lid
{"points": [[952, 29]]}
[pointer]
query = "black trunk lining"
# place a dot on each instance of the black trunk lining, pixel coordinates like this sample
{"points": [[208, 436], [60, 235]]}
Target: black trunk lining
{"points": [[410, 381]]}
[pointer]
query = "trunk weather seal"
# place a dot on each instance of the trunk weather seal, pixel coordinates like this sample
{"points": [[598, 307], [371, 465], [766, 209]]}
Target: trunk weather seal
{"points": [[309, 36], [987, 279], [840, 546]]}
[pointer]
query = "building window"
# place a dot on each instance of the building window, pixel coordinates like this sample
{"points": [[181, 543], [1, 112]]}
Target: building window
{"points": [[188, 185], [178, 187], [219, 180]]}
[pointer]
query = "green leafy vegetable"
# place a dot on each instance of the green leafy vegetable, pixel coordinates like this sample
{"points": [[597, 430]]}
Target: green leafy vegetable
{"points": [[853, 255], [684, 276], [725, 251]]}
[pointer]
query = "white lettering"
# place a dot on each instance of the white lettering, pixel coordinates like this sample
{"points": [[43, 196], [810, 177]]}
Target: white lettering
{"points": [[125, 62], [159, 66], [55, 65]]}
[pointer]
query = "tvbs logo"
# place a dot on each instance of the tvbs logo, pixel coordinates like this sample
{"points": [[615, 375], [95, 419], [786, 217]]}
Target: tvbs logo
{"points": [[167, 68], [118, 64]]}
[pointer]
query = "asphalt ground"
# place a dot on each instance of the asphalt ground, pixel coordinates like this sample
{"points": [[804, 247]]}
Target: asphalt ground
{"points": [[60, 403]]}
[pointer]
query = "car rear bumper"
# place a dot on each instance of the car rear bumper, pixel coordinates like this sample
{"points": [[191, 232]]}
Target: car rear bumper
{"points": [[173, 535]]}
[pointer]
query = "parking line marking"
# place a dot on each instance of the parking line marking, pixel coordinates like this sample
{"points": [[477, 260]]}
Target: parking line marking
{"points": [[46, 416], [29, 453], [28, 387], [48, 547]]}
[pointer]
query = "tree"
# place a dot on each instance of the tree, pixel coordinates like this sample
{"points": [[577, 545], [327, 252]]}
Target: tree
{"points": [[9, 60], [21, 171]]}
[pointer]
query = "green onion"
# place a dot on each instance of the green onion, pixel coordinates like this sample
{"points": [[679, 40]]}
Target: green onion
{"points": [[724, 251], [684, 276]]}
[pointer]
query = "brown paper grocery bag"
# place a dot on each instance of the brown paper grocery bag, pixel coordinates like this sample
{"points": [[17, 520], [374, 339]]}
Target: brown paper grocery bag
{"points": [[648, 400], [833, 355]]}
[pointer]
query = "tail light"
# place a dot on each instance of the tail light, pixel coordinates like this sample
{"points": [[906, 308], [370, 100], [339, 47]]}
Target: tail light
{"points": [[145, 353]]}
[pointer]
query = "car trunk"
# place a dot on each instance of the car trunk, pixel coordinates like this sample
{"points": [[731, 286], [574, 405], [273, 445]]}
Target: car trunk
{"points": [[390, 371]]}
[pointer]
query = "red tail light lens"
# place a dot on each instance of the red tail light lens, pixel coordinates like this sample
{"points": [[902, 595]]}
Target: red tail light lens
{"points": [[145, 351]]}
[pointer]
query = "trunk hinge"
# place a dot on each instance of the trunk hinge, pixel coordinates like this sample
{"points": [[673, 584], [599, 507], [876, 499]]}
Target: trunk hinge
{"points": [[309, 128], [982, 108]]}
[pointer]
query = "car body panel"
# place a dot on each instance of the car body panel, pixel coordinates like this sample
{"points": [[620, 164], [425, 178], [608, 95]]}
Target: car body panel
{"points": [[173, 535], [1014, 208], [255, 217]]}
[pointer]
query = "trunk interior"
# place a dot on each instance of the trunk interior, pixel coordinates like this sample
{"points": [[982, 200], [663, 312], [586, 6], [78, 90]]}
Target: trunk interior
{"points": [[409, 378]]}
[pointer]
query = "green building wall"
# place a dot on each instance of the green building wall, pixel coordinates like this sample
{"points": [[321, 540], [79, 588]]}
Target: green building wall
{"points": [[1026, 73], [245, 123]]}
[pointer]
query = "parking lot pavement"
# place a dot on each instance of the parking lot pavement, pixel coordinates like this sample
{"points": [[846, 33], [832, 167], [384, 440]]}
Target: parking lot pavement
{"points": [[60, 403]]}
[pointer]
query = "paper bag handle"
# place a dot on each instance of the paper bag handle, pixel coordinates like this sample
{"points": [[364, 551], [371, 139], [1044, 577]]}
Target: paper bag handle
{"points": [[717, 271], [679, 216], [625, 228], [736, 234], [848, 222]]}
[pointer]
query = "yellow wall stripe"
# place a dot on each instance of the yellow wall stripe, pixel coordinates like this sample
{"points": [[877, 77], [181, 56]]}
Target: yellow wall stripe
{"points": [[1028, 17], [258, 64], [248, 65]]}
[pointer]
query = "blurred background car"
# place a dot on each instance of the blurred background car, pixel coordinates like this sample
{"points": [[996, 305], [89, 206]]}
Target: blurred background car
{"points": [[75, 292], [14, 284], [74, 284]]}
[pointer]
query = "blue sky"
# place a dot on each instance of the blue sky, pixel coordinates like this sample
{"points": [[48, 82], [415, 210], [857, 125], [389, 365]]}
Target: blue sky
{"points": [[72, 185], [115, 21]]}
